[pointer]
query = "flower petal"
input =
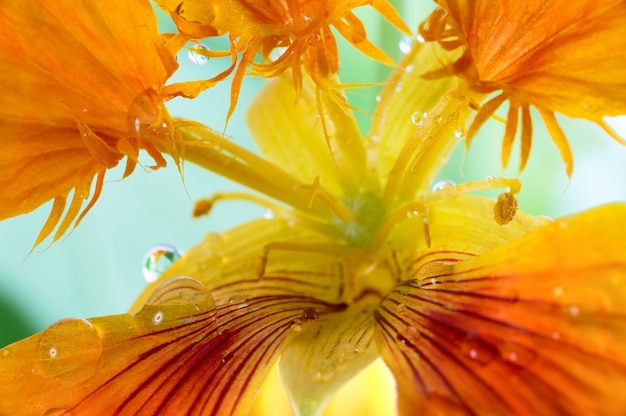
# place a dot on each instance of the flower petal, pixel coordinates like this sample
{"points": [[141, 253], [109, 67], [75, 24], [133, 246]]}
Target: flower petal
{"points": [[181, 353], [560, 56], [69, 110], [290, 132], [415, 122], [545, 313], [326, 356]]}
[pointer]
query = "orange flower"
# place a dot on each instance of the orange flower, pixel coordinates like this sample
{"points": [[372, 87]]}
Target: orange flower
{"points": [[303, 28], [557, 56], [81, 89]]}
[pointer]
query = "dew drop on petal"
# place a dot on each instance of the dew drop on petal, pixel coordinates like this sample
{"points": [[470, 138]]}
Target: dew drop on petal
{"points": [[195, 54], [459, 133], [157, 260], [177, 300], [345, 352], [574, 311], [521, 354], [438, 186], [237, 301], [324, 370], [277, 53], [406, 43], [157, 318], [558, 291], [478, 349], [420, 39], [69, 350], [268, 214], [418, 117]]}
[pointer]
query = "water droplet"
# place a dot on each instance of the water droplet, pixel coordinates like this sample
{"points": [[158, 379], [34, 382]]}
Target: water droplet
{"points": [[177, 300], [412, 214], [558, 291], [556, 336], [277, 53], [406, 43], [574, 311], [268, 214], [404, 290], [479, 349], [157, 260], [345, 352], [324, 370], [237, 301], [70, 351], [408, 68], [459, 133], [310, 313], [401, 309], [420, 39], [412, 333], [296, 325], [522, 354], [438, 186], [195, 54], [157, 318], [490, 177], [378, 98], [418, 117]]}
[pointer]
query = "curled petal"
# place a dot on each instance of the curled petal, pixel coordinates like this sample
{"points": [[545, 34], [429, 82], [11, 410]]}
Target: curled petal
{"points": [[546, 313]]}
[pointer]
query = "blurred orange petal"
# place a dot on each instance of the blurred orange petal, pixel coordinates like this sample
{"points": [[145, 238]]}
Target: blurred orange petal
{"points": [[182, 353], [70, 108], [537, 326], [302, 29], [559, 56]]}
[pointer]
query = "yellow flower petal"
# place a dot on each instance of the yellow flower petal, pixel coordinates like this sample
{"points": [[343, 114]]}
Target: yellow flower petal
{"points": [[545, 313], [326, 356]]}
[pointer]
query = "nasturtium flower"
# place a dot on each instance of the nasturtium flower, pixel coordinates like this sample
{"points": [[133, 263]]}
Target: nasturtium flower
{"points": [[82, 88], [302, 28], [558, 57], [474, 307]]}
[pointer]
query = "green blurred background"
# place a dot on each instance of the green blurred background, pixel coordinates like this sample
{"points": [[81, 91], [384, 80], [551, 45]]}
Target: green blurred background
{"points": [[96, 270]]}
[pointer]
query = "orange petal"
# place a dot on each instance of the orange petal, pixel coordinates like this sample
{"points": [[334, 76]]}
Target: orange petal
{"points": [[66, 106], [537, 326], [180, 354]]}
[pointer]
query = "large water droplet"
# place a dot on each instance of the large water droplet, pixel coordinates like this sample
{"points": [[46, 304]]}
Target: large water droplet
{"points": [[195, 54], [418, 117], [157, 260], [438, 186], [406, 43], [178, 300], [70, 351]]}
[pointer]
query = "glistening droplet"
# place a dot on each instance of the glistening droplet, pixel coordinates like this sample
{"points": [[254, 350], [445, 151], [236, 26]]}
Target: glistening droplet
{"points": [[418, 117], [324, 370], [157, 260], [438, 186], [479, 349], [406, 43], [70, 351], [176, 301], [195, 54]]}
